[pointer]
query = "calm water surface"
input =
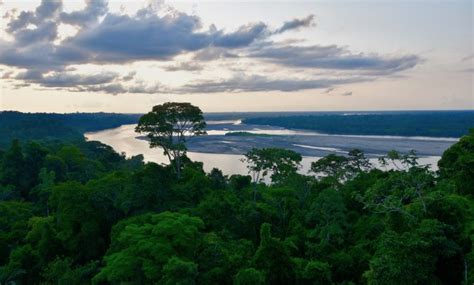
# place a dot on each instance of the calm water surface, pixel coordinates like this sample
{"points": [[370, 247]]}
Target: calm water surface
{"points": [[124, 140]]}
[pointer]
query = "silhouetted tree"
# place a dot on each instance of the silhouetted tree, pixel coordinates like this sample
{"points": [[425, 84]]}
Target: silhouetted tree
{"points": [[168, 126]]}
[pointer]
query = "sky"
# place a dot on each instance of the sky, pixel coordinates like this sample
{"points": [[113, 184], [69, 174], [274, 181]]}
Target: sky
{"points": [[225, 56]]}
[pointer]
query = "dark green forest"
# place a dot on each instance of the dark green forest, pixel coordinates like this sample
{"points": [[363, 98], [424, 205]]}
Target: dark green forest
{"points": [[62, 127], [420, 123], [77, 212]]}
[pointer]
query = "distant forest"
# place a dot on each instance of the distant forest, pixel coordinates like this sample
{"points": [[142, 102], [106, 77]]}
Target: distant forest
{"points": [[431, 124], [47, 127]]}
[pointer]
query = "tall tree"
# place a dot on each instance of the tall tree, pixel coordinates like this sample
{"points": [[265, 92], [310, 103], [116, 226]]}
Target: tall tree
{"points": [[457, 164], [249, 276], [273, 258], [151, 247], [277, 161], [332, 166], [12, 168], [34, 158], [169, 126], [410, 257]]}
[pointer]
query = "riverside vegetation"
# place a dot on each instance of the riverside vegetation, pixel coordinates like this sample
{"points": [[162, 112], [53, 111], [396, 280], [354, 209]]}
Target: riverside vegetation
{"points": [[80, 213]]}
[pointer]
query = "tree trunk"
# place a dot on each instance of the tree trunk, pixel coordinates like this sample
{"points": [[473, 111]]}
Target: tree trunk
{"points": [[178, 165]]}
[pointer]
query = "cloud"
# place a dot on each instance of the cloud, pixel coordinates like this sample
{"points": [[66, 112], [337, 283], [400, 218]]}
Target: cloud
{"points": [[104, 37], [244, 36], [29, 75], [236, 84], [47, 31], [184, 66], [296, 24], [142, 87], [20, 85], [118, 88], [129, 76], [468, 57], [46, 10], [329, 90], [89, 15], [115, 39], [256, 83], [20, 21], [68, 80], [213, 53], [6, 74], [468, 70], [332, 57], [113, 88], [62, 79], [123, 38], [42, 56], [118, 38]]}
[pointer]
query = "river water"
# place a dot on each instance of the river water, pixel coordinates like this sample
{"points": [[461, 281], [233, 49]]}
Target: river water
{"points": [[124, 140]]}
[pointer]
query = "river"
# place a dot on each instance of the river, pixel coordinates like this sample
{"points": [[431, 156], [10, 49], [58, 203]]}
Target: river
{"points": [[218, 150]]}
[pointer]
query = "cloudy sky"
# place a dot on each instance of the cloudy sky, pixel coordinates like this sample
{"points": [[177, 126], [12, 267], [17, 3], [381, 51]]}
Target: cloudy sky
{"points": [[126, 56]]}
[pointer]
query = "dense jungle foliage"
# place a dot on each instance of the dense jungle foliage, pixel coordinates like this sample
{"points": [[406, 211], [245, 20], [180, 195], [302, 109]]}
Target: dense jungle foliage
{"points": [[79, 213]]}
